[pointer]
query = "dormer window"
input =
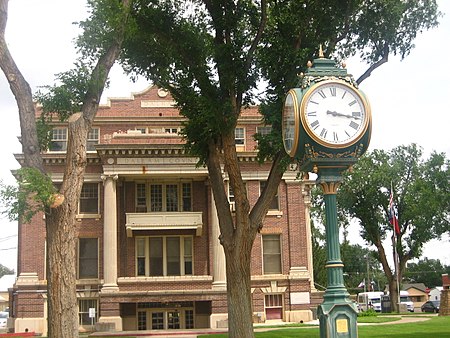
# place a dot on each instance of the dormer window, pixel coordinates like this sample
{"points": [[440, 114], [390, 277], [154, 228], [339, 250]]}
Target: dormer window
{"points": [[171, 130]]}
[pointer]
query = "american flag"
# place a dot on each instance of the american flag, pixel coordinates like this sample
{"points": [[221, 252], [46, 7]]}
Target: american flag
{"points": [[392, 214]]}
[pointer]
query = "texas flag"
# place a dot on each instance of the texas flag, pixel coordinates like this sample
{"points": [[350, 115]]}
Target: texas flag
{"points": [[392, 214]]}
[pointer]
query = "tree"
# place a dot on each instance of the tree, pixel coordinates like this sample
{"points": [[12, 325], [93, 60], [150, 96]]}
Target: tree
{"points": [[421, 194], [61, 235], [5, 270], [426, 271], [211, 55], [319, 257], [360, 266]]}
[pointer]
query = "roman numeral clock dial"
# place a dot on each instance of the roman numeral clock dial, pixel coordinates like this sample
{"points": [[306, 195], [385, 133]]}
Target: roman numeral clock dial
{"points": [[334, 114], [290, 122]]}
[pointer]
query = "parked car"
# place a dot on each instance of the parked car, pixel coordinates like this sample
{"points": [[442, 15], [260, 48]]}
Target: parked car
{"points": [[430, 306], [3, 319]]}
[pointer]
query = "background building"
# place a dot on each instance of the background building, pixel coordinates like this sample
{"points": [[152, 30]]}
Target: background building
{"points": [[6, 282], [417, 293], [148, 250]]}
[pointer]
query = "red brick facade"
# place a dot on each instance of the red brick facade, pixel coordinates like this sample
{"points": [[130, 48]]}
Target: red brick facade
{"points": [[138, 144]]}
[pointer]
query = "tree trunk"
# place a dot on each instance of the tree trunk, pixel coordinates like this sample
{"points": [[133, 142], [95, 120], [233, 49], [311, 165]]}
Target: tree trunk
{"points": [[240, 312], [238, 231], [392, 279], [393, 295], [62, 237], [61, 273]]}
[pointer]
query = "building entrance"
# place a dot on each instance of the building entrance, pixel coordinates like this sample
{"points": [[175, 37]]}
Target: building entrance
{"points": [[165, 316]]}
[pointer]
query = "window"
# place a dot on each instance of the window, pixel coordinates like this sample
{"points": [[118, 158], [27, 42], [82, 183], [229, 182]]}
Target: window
{"points": [[274, 306], [187, 261], [158, 320], [239, 136], [186, 196], [173, 256], [231, 197], [264, 131], [141, 197], [159, 197], [92, 139], [83, 311], [58, 140], [173, 320], [274, 203], [140, 256], [156, 256], [142, 320], [164, 256], [171, 130], [156, 197], [271, 254], [171, 197], [189, 319], [143, 130], [87, 258], [89, 199]]}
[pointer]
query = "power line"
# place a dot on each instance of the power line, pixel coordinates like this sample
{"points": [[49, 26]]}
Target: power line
{"points": [[2, 239]]}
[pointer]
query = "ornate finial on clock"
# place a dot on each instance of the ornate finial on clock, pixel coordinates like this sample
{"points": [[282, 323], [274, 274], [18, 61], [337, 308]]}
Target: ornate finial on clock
{"points": [[320, 52]]}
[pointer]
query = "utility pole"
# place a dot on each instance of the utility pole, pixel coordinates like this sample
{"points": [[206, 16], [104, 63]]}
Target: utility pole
{"points": [[368, 273]]}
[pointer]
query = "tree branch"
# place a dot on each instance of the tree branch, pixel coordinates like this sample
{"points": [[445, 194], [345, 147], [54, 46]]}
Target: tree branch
{"points": [[22, 93], [384, 262], [377, 64], [261, 206], [220, 196], [258, 36], [103, 67]]}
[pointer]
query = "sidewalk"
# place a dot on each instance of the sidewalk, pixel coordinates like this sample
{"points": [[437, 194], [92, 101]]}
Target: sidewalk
{"points": [[193, 333]]}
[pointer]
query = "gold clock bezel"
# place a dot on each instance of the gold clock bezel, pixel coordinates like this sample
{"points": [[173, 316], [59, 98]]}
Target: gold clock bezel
{"points": [[320, 141], [295, 141]]}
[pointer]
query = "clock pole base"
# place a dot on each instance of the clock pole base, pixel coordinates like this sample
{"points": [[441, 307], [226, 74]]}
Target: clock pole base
{"points": [[338, 320]]}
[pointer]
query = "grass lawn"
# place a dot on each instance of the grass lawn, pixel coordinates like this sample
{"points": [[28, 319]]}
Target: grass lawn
{"points": [[378, 319], [436, 327]]}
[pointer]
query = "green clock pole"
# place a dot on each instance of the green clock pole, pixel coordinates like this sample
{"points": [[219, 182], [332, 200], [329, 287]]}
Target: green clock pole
{"points": [[338, 313], [326, 128]]}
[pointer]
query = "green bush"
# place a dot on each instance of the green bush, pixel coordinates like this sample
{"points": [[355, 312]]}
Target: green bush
{"points": [[368, 313]]}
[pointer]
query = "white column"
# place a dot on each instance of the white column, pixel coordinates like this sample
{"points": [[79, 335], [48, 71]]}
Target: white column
{"points": [[307, 201], [219, 269], [110, 234]]}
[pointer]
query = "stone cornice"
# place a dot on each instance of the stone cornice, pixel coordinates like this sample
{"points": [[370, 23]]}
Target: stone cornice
{"points": [[105, 152]]}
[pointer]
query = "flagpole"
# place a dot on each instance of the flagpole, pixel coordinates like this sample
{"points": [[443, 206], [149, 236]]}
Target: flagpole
{"points": [[395, 255]]}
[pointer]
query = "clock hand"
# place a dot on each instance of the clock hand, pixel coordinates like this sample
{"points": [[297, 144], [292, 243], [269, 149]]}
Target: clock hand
{"points": [[334, 113]]}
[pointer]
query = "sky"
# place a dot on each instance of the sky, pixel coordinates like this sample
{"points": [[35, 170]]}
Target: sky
{"points": [[409, 98]]}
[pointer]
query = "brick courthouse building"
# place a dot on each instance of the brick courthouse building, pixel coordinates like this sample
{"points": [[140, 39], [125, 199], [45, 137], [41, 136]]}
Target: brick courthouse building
{"points": [[148, 250]]}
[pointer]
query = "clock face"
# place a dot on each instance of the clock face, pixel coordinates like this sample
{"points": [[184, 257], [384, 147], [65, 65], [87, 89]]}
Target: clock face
{"points": [[290, 123], [334, 114]]}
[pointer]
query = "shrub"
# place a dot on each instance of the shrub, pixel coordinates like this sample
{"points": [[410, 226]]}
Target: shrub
{"points": [[368, 313]]}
